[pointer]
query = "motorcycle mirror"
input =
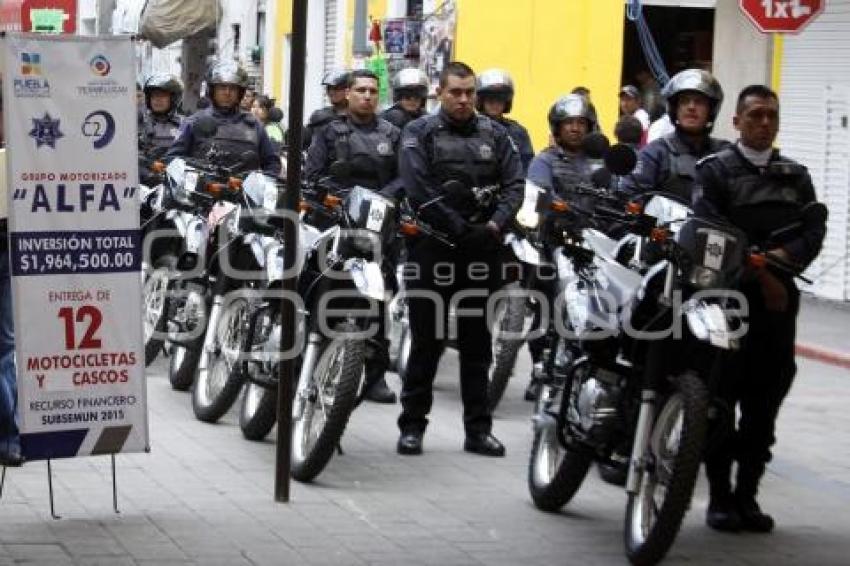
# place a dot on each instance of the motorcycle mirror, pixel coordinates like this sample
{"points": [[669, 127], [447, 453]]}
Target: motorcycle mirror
{"points": [[205, 126], [602, 178], [620, 159], [340, 170], [594, 145]]}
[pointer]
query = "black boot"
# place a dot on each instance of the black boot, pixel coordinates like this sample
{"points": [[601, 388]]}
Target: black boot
{"points": [[380, 392], [746, 488], [722, 513], [532, 391]]}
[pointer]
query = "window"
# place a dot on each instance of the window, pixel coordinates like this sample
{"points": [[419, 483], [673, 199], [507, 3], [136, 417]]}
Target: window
{"points": [[237, 38]]}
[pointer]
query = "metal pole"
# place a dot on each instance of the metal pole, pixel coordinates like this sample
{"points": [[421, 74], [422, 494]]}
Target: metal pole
{"points": [[291, 197]]}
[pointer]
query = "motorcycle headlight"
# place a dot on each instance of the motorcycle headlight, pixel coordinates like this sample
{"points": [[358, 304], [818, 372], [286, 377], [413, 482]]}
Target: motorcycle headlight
{"points": [[274, 263], [704, 278]]}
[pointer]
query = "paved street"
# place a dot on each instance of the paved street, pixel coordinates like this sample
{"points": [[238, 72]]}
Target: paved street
{"points": [[204, 495]]}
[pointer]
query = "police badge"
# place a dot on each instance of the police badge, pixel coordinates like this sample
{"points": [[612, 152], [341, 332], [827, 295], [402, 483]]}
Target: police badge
{"points": [[384, 148], [485, 151]]}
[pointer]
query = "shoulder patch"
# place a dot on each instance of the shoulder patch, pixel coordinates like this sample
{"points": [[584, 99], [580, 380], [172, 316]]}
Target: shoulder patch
{"points": [[410, 142]]}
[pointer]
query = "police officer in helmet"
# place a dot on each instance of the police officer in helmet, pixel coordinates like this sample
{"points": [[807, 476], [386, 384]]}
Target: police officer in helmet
{"points": [[239, 136], [365, 147], [668, 163], [495, 97], [559, 169], [336, 85], [410, 93], [463, 174], [771, 198], [159, 123]]}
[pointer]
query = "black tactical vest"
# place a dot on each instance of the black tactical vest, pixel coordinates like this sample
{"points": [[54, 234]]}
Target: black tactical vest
{"points": [[158, 134], [762, 203], [470, 159], [237, 141], [398, 116], [370, 154], [681, 174], [567, 172]]}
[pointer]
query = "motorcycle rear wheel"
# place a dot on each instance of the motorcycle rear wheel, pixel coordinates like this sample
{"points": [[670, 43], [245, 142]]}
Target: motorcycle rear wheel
{"points": [[510, 319], [670, 469]]}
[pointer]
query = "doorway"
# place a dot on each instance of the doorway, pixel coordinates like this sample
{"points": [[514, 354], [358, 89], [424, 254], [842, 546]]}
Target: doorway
{"points": [[685, 39]]}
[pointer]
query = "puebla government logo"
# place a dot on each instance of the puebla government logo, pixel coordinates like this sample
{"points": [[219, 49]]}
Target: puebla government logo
{"points": [[29, 82]]}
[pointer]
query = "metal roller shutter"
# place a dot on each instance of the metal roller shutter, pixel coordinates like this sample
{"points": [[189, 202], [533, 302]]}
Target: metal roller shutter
{"points": [[330, 35], [815, 108]]}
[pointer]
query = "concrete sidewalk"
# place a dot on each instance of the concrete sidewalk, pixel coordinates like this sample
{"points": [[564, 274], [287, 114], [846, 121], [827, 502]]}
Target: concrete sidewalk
{"points": [[823, 331], [204, 496]]}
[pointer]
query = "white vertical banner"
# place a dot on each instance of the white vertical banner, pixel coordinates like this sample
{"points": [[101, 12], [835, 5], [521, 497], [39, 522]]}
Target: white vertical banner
{"points": [[70, 123]]}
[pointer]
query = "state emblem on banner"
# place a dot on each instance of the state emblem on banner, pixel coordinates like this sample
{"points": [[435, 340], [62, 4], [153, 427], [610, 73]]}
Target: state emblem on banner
{"points": [[45, 131], [29, 82]]}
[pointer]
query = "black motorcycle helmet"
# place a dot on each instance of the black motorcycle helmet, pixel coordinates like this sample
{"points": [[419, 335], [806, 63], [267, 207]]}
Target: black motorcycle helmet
{"points": [[494, 83], [412, 82], [336, 78], [167, 83], [227, 73], [571, 106], [693, 80]]}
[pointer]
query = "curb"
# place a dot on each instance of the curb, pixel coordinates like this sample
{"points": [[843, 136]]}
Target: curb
{"points": [[832, 357]]}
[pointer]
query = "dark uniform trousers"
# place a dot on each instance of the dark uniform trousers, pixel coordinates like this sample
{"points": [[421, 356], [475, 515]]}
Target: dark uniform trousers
{"points": [[758, 377], [428, 317]]}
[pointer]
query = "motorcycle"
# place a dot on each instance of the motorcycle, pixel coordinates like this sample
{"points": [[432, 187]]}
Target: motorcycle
{"points": [[339, 285], [622, 390]]}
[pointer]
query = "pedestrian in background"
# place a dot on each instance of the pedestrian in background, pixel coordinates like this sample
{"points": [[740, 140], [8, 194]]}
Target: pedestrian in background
{"points": [[262, 110], [630, 105]]}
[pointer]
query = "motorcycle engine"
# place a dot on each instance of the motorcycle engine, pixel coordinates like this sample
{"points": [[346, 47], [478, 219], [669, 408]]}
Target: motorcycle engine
{"points": [[594, 409]]}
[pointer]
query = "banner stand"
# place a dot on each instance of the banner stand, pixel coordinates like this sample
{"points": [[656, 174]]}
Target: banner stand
{"points": [[50, 487]]}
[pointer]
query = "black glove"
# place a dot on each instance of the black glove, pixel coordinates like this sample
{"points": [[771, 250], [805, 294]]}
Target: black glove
{"points": [[480, 238]]}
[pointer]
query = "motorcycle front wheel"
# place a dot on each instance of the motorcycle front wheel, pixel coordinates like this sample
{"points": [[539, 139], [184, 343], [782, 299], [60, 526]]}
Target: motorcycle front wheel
{"points": [[668, 472], [258, 413], [218, 386], [324, 401], [183, 360], [555, 472], [155, 301]]}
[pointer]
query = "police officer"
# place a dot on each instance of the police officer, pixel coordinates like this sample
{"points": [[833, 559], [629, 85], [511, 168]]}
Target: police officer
{"points": [[763, 193], [558, 169], [410, 92], [463, 174], [668, 163], [367, 147], [336, 84], [239, 136], [159, 122], [495, 97]]}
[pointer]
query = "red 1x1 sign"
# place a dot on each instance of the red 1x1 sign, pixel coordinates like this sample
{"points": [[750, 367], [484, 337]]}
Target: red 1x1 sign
{"points": [[781, 16]]}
